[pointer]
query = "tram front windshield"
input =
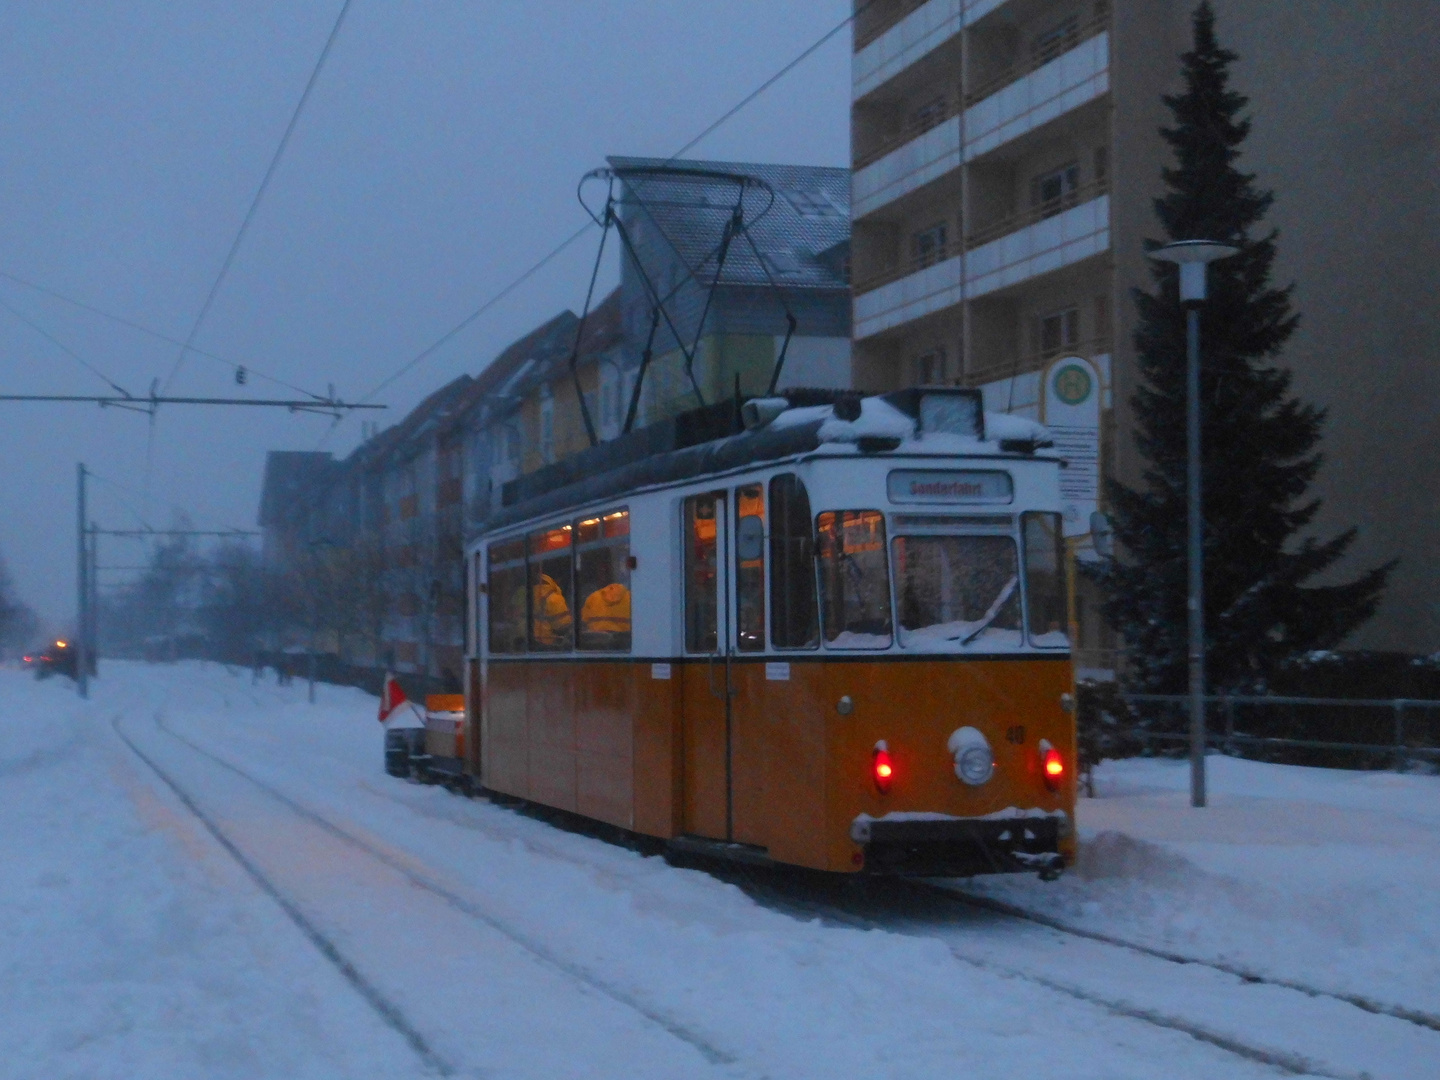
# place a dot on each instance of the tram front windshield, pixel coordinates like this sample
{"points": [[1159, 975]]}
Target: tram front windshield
{"points": [[957, 590], [971, 590]]}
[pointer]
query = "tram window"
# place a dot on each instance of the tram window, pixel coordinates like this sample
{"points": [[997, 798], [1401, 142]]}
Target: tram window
{"points": [[506, 595], [701, 570], [792, 566], [750, 568], [552, 625], [602, 579], [855, 579], [961, 590], [1045, 584]]}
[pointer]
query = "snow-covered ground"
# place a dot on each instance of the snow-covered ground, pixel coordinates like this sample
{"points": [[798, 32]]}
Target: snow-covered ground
{"points": [[359, 926], [1321, 876]]}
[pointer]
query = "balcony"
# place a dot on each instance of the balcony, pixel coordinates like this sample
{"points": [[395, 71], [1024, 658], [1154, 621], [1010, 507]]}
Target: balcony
{"points": [[1017, 377], [1026, 96], [1018, 101], [904, 34], [1013, 250]]}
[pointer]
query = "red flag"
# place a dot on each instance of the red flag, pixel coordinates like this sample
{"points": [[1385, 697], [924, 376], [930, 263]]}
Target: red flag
{"points": [[391, 697]]}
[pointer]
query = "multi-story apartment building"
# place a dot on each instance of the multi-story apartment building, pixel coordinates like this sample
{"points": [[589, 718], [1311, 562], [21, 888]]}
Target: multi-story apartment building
{"points": [[1006, 155]]}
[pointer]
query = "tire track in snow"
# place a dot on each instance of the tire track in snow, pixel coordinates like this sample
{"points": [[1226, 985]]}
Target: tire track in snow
{"points": [[1370, 1005], [672, 1027], [384, 1008]]}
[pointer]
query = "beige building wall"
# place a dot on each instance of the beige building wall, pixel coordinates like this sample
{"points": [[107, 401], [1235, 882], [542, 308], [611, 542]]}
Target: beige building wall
{"points": [[1346, 111]]}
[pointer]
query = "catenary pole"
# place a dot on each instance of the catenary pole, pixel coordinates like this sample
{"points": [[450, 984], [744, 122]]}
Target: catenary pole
{"points": [[82, 587], [92, 603]]}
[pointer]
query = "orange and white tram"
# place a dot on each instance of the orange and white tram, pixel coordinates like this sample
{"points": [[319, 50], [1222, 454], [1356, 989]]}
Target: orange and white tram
{"points": [[837, 640]]}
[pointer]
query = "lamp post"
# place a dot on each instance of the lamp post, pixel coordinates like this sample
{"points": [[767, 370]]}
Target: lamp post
{"points": [[1193, 256], [316, 547]]}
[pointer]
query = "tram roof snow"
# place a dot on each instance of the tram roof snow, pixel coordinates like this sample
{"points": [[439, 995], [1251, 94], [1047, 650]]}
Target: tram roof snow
{"points": [[712, 440]]}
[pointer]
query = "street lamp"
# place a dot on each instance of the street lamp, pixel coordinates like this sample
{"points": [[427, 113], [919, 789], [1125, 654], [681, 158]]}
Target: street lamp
{"points": [[1193, 256]]}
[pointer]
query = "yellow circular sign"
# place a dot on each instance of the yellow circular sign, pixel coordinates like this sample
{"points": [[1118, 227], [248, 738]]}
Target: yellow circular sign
{"points": [[1072, 384]]}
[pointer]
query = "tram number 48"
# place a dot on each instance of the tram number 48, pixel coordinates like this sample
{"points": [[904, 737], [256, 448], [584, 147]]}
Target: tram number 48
{"points": [[1015, 734]]}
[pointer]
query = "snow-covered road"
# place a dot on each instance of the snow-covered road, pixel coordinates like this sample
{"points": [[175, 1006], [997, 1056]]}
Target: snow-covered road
{"points": [[209, 878]]}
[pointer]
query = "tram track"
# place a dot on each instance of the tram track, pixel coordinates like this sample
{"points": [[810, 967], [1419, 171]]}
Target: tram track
{"points": [[1115, 999], [1366, 1004], [783, 897], [575, 972], [1294, 1063], [388, 1012]]}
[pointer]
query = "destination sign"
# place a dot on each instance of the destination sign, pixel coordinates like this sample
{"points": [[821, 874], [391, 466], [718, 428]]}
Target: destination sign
{"points": [[950, 486]]}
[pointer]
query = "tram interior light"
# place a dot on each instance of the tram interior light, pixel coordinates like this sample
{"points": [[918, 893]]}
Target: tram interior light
{"points": [[882, 767]]}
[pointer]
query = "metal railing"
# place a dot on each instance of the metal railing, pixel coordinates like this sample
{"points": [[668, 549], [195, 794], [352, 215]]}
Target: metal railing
{"points": [[916, 126], [1034, 360], [1011, 223], [879, 18], [1399, 747], [958, 102], [1083, 32]]}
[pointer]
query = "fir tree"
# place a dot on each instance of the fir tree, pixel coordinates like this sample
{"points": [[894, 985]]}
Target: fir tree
{"points": [[1258, 440]]}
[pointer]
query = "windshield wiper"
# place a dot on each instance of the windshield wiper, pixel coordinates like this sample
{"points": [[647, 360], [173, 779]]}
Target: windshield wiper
{"points": [[994, 612]]}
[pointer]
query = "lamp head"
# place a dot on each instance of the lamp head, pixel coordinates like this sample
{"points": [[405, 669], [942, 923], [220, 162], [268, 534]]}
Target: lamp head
{"points": [[1193, 256]]}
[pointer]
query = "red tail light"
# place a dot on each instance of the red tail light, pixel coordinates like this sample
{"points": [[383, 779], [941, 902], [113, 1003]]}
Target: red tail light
{"points": [[1052, 765], [881, 767]]}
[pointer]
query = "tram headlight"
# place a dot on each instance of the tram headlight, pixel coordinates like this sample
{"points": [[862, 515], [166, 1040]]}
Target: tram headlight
{"points": [[974, 759]]}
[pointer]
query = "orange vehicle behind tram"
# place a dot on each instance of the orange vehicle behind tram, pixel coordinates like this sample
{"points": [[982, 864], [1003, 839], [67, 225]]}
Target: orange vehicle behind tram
{"points": [[835, 640]]}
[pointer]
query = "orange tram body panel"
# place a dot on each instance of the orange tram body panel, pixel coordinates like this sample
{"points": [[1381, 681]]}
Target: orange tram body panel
{"points": [[793, 645]]}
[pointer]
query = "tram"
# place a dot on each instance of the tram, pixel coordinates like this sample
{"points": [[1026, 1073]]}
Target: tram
{"points": [[836, 639]]}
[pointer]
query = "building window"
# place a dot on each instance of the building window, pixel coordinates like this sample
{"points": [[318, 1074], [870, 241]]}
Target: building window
{"points": [[927, 116], [1102, 317], [1057, 333], [547, 430], [1102, 164], [811, 203], [930, 368], [1059, 39], [927, 247], [1056, 190]]}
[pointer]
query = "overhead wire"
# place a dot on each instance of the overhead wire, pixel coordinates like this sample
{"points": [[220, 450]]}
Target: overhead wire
{"points": [[121, 320], [260, 192], [64, 348], [555, 252], [244, 228]]}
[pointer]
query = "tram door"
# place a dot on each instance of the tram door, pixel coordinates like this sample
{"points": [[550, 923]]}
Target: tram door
{"points": [[708, 687]]}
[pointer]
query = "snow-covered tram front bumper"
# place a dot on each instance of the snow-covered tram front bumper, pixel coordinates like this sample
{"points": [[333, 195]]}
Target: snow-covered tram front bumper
{"points": [[934, 845]]}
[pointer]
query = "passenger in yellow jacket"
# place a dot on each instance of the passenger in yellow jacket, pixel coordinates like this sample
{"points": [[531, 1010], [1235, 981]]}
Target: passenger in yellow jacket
{"points": [[551, 621], [606, 611]]}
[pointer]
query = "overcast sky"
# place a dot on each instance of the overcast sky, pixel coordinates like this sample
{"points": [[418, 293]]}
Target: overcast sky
{"points": [[436, 159]]}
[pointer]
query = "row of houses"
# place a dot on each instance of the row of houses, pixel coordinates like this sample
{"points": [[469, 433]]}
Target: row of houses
{"points": [[397, 511]]}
